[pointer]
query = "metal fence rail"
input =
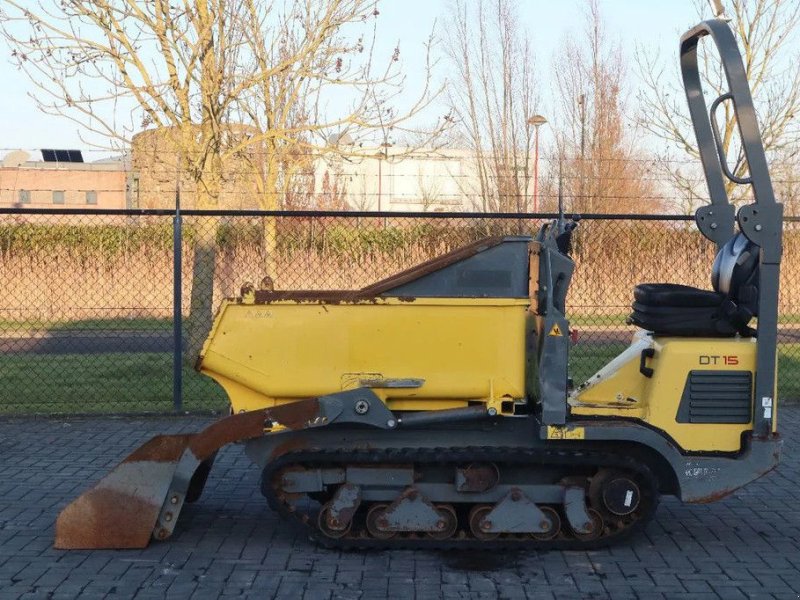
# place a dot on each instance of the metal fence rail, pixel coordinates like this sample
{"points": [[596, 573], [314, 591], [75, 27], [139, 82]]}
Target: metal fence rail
{"points": [[93, 302]]}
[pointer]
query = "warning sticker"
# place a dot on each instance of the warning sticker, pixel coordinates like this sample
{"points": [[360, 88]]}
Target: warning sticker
{"points": [[556, 330], [554, 432]]}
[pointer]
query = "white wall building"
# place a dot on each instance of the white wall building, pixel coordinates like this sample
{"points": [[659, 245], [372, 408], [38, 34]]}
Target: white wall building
{"points": [[404, 179]]}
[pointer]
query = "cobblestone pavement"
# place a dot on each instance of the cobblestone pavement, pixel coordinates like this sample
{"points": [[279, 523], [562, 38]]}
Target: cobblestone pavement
{"points": [[231, 544]]}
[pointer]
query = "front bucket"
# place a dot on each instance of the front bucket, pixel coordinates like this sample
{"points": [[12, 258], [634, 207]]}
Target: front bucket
{"points": [[129, 506], [121, 510]]}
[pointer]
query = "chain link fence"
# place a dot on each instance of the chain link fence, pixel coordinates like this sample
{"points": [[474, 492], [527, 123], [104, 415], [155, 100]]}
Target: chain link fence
{"points": [[88, 297]]}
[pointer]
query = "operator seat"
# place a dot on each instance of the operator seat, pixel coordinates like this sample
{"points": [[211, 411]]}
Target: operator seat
{"points": [[681, 310]]}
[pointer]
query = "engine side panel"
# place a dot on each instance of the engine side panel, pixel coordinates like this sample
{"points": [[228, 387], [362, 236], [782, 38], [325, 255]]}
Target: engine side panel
{"points": [[699, 393]]}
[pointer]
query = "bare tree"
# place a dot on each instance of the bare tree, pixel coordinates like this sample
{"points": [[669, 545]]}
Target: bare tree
{"points": [[249, 79], [296, 75], [492, 95], [765, 30], [603, 169]]}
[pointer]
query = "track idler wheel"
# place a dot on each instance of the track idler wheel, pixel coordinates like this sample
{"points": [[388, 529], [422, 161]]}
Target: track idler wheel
{"points": [[614, 493]]}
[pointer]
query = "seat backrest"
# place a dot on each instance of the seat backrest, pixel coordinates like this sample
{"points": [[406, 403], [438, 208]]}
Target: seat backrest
{"points": [[735, 265]]}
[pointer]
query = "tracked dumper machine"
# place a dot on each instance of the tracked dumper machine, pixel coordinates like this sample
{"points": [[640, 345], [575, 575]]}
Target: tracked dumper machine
{"points": [[432, 409]]}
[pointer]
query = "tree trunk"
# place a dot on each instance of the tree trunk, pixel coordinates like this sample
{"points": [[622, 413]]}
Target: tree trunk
{"points": [[204, 264], [269, 231], [201, 302]]}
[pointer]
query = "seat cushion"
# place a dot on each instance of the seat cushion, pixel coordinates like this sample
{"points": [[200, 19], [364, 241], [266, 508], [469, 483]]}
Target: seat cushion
{"points": [[675, 295], [681, 310]]}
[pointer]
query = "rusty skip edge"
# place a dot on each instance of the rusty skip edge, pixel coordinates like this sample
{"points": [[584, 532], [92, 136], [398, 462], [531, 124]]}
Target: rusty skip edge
{"points": [[143, 495]]}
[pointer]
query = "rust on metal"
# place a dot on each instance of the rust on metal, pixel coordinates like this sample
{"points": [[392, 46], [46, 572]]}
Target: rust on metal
{"points": [[161, 448], [343, 507], [309, 296], [411, 511], [105, 518], [715, 496], [477, 477], [237, 427], [249, 425], [121, 510], [722, 493], [296, 415]]}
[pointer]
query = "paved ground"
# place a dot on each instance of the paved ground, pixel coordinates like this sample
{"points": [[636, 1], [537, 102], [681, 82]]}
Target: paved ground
{"points": [[230, 544]]}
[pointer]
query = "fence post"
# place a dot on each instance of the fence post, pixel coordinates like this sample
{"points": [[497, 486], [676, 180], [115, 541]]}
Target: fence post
{"points": [[177, 310]]}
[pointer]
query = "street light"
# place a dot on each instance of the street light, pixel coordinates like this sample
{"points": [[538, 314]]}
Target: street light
{"points": [[382, 155], [536, 121]]}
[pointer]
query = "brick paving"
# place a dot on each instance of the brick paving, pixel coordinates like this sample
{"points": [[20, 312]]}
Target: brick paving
{"points": [[230, 544]]}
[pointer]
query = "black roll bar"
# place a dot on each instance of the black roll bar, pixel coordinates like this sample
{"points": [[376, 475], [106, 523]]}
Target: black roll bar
{"points": [[762, 221]]}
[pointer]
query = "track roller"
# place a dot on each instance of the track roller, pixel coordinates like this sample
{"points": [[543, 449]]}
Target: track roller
{"points": [[448, 523], [593, 530], [329, 525], [478, 525], [555, 524], [376, 522]]}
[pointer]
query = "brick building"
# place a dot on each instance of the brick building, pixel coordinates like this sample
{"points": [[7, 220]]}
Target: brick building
{"points": [[382, 178], [27, 183]]}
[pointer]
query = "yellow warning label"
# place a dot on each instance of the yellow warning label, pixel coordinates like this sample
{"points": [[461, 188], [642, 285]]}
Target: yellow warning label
{"points": [[556, 330], [554, 432]]}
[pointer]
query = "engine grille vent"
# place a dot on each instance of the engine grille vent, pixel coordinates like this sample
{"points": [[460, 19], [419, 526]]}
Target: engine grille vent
{"points": [[716, 397]]}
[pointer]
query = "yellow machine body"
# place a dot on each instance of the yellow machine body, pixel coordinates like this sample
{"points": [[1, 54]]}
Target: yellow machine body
{"points": [[440, 353], [621, 390], [420, 354]]}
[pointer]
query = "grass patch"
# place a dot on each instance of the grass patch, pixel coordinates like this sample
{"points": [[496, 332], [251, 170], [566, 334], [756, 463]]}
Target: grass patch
{"points": [[618, 319], [586, 360], [165, 324], [584, 320], [100, 383], [789, 372], [141, 383]]}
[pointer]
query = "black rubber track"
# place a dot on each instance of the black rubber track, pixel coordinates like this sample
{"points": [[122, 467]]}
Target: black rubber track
{"points": [[566, 458]]}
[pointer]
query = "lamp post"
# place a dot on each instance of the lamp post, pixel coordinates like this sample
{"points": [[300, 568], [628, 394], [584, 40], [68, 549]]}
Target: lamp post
{"points": [[382, 155], [536, 121]]}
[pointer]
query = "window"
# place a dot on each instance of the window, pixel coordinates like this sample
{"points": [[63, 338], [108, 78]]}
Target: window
{"points": [[24, 196], [58, 197], [91, 197]]}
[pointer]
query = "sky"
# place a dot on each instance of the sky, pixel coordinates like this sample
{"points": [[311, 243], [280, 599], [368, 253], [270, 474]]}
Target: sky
{"points": [[654, 24]]}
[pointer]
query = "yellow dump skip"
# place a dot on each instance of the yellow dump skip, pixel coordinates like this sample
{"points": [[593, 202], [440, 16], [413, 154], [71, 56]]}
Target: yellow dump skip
{"points": [[462, 349]]}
